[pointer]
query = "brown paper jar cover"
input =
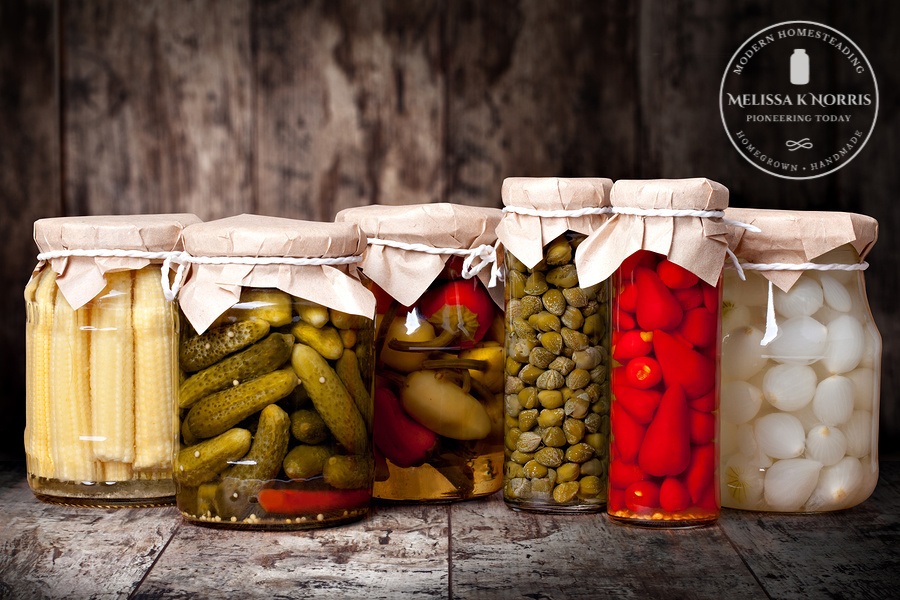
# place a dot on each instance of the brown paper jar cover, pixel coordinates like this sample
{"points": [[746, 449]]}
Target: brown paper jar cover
{"points": [[407, 274], [796, 237], [81, 278], [211, 289]]}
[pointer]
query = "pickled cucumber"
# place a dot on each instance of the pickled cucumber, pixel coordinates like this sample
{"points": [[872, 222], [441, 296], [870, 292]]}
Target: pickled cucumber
{"points": [[208, 348], [308, 427], [314, 314], [343, 320], [217, 412], [325, 340], [262, 357], [331, 399], [349, 472], [202, 462], [270, 305], [303, 462], [270, 444], [347, 368]]}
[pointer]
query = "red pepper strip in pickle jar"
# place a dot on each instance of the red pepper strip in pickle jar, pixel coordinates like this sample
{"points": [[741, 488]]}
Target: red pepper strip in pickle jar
{"points": [[801, 364], [665, 247], [439, 353], [275, 408], [102, 376], [557, 347]]}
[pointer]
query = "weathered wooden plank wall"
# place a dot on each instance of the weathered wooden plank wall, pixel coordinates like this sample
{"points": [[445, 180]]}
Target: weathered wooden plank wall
{"points": [[300, 109]]}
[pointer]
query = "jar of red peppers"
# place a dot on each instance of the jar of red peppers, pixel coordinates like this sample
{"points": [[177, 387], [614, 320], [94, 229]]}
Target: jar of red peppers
{"points": [[801, 364], [438, 347], [556, 406], [275, 407], [102, 374], [667, 240]]}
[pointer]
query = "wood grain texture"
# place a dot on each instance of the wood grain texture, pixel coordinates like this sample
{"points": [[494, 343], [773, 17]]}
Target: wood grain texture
{"points": [[537, 89], [51, 551], [350, 105], [498, 553], [397, 552], [157, 107], [29, 182]]}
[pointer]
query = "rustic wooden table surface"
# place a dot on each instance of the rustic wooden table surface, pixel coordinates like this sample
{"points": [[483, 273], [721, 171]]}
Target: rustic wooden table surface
{"points": [[478, 549]]}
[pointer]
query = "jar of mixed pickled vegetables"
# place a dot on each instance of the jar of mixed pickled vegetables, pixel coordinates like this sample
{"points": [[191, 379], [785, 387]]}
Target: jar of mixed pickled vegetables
{"points": [[101, 366], [556, 407], [438, 350], [275, 404], [801, 365], [666, 242]]}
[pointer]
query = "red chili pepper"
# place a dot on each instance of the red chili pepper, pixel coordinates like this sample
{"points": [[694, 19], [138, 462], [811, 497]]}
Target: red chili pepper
{"points": [[403, 440], [701, 472], [706, 403], [666, 449], [643, 372], [673, 496], [297, 502], [622, 474], [631, 344], [700, 327], [627, 433], [460, 308], [627, 298], [382, 299], [703, 427], [689, 298], [683, 366], [640, 404], [641, 258], [675, 276], [623, 321], [642, 496], [657, 308]]}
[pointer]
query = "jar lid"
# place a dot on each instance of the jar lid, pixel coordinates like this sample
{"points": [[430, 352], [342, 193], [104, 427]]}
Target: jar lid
{"points": [[70, 240], [401, 241], [680, 219], [540, 209], [307, 259], [797, 237]]}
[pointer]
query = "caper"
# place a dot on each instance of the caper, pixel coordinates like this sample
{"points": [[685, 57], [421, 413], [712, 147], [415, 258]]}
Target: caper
{"points": [[536, 284], [521, 457], [597, 441], [518, 487], [554, 437], [541, 357], [580, 452], [565, 276], [530, 374], [511, 405], [593, 467], [521, 348], [575, 297], [577, 407], [591, 308], [528, 398], [589, 486], [574, 339], [523, 329], [594, 391], [541, 486], [592, 422], [514, 264], [588, 358], [515, 283], [549, 457], [574, 430], [512, 438], [598, 374], [534, 470], [558, 252], [511, 421], [554, 302], [545, 321], [565, 492], [550, 398], [530, 305], [594, 325], [578, 379], [528, 442], [513, 385], [512, 366], [514, 470], [568, 472], [527, 419], [552, 341], [550, 380], [571, 317], [562, 364], [551, 417]]}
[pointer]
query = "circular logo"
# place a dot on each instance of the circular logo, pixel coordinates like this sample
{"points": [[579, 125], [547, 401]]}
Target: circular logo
{"points": [[799, 100]]}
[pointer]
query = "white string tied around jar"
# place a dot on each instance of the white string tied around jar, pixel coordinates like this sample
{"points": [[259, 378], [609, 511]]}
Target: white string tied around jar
{"points": [[485, 253]]}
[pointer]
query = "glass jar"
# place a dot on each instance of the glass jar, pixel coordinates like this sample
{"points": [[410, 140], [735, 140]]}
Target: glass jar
{"points": [[665, 334], [275, 408], [438, 398], [556, 407], [102, 376], [800, 389]]}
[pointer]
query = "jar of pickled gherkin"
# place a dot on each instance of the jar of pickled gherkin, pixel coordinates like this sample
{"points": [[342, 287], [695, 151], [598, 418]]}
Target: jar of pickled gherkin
{"points": [[101, 368], [556, 408], [275, 405], [439, 350], [666, 245], [801, 364]]}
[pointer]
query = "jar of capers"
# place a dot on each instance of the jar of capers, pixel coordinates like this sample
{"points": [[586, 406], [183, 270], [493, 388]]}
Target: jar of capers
{"points": [[556, 403]]}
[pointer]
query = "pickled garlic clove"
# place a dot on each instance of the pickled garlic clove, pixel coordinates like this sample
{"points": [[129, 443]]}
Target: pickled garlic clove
{"points": [[735, 317], [859, 430], [780, 435], [742, 483], [863, 388], [826, 444], [803, 299], [739, 401], [789, 387], [751, 292], [836, 295], [742, 355], [833, 400], [838, 484], [789, 483], [800, 341], [845, 344]]}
